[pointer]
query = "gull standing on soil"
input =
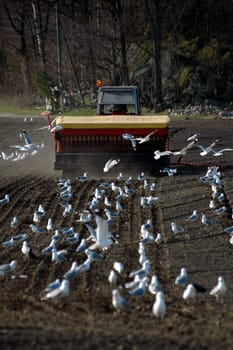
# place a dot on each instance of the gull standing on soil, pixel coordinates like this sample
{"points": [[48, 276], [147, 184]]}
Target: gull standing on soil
{"points": [[110, 164], [182, 278], [5, 199], [53, 285], [154, 285], [60, 292], [82, 246], [190, 292], [85, 216], [118, 301], [26, 250], [169, 171], [192, 217], [118, 266], [112, 277], [158, 238], [82, 178], [5, 268], [220, 289], [14, 222], [159, 306], [72, 272], [176, 229], [37, 229], [206, 221]]}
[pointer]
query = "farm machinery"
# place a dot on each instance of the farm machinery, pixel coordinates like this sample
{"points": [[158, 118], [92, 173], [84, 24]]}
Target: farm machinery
{"points": [[117, 131]]}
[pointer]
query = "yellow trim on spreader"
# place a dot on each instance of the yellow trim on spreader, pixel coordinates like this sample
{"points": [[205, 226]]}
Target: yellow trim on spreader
{"points": [[114, 121]]}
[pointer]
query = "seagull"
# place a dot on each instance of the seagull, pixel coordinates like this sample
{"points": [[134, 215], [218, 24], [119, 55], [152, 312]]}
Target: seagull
{"points": [[158, 238], [14, 222], [28, 145], [85, 216], [192, 217], [145, 138], [59, 292], [37, 229], [184, 150], [109, 164], [50, 247], [208, 149], [131, 138], [7, 267], [154, 285], [190, 292], [206, 221], [50, 224], [140, 289], [20, 237], [53, 285], [26, 250], [72, 239], [193, 137], [145, 269], [82, 178], [82, 246], [5, 200], [159, 306], [118, 301], [107, 202], [118, 266], [112, 277], [72, 272], [221, 210], [59, 255], [8, 243], [220, 289], [182, 278], [176, 229], [169, 171], [104, 238], [217, 153], [158, 154]]}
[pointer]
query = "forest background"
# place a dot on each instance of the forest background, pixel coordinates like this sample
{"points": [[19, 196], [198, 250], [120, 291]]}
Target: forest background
{"points": [[176, 52]]}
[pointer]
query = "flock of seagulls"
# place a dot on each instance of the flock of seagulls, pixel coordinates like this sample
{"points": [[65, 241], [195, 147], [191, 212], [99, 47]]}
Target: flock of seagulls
{"points": [[99, 240], [28, 148]]}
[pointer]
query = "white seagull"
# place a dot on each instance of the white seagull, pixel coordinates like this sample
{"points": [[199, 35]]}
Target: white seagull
{"points": [[176, 229], [109, 164], [104, 238], [159, 306], [118, 301], [131, 138], [182, 278], [220, 289], [145, 138], [208, 149], [60, 292], [158, 154], [190, 292]]}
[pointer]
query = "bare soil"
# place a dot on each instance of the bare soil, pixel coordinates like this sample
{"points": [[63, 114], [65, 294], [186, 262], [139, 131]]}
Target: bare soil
{"points": [[86, 319]]}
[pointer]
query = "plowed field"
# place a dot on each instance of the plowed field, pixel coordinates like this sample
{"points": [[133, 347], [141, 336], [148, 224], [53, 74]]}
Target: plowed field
{"points": [[86, 319]]}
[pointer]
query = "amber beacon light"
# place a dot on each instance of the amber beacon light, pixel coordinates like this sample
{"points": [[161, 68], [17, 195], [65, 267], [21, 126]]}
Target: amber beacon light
{"points": [[99, 83]]}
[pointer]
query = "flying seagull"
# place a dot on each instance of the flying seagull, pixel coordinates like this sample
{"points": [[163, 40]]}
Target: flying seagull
{"points": [[109, 164]]}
